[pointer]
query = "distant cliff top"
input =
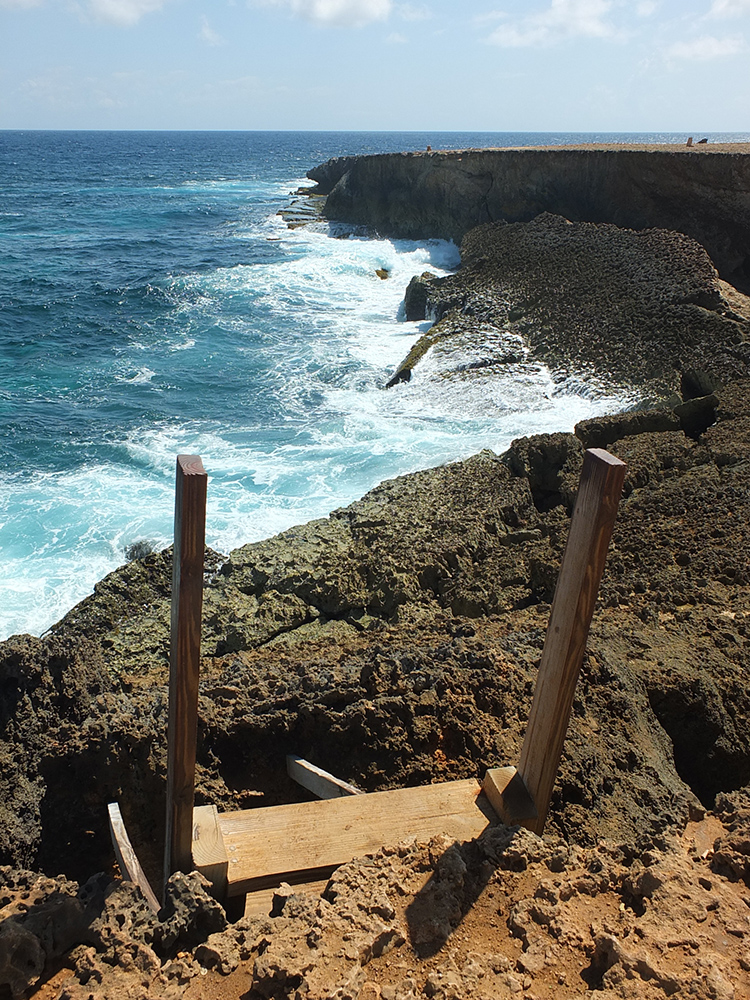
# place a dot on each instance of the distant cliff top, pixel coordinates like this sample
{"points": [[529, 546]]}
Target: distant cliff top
{"points": [[619, 147], [701, 190]]}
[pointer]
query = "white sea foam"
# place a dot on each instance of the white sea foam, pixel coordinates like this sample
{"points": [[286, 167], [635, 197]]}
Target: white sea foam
{"points": [[141, 377], [306, 340], [66, 531]]}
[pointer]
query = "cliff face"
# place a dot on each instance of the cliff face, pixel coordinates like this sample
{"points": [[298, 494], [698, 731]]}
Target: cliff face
{"points": [[703, 193]]}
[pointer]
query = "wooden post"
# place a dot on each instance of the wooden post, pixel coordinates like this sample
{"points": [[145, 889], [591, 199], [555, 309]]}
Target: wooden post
{"points": [[581, 571], [184, 660]]}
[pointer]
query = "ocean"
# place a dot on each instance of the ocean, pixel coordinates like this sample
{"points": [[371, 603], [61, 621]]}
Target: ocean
{"points": [[153, 302]]}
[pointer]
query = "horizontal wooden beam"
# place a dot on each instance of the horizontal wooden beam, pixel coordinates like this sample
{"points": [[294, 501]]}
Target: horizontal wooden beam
{"points": [[306, 841], [260, 903], [316, 780]]}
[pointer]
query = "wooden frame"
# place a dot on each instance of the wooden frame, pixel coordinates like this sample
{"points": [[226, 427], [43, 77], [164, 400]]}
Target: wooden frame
{"points": [[254, 850], [316, 780]]}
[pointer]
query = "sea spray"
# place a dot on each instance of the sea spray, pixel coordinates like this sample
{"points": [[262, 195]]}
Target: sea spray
{"points": [[152, 302]]}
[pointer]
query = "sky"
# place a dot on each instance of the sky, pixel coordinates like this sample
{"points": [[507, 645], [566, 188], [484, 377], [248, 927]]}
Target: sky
{"points": [[418, 65]]}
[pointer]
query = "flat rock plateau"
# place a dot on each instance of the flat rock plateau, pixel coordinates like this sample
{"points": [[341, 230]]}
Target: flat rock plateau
{"points": [[396, 643]]}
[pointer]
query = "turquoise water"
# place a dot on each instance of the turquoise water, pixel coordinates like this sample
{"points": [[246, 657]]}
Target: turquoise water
{"points": [[152, 302]]}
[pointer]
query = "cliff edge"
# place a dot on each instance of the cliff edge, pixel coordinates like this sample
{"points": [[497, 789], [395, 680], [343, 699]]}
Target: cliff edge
{"points": [[701, 192]]}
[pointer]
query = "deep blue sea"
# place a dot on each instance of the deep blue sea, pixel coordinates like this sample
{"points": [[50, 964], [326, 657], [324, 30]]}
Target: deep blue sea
{"points": [[152, 302]]}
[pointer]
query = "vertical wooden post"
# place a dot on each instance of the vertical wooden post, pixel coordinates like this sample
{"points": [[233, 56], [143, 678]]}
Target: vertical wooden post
{"points": [[581, 571], [523, 795], [184, 660]]}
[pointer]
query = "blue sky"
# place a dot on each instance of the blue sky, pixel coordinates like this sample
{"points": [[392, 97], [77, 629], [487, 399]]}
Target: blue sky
{"points": [[539, 65]]}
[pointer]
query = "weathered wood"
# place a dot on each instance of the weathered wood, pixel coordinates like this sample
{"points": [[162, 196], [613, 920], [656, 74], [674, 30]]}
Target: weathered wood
{"points": [[209, 853], [260, 903], [184, 660], [306, 841], [508, 796], [581, 571], [316, 780], [130, 866]]}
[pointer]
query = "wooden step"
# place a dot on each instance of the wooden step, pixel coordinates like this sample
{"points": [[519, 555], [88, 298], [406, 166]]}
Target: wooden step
{"points": [[306, 841]]}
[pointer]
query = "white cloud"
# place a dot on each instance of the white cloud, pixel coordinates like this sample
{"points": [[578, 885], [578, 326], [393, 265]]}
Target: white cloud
{"points": [[208, 35], [124, 13], [730, 8], [706, 48], [490, 15], [340, 13], [646, 8], [561, 20], [396, 39], [414, 11]]}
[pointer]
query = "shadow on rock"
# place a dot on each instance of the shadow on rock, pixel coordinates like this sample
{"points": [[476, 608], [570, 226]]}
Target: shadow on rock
{"points": [[461, 873]]}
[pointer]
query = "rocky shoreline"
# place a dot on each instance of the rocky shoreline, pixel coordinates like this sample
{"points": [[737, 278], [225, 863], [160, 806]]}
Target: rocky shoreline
{"points": [[395, 643], [703, 192], [621, 309]]}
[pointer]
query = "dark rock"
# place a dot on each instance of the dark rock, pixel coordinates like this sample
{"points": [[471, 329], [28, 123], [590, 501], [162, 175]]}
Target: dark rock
{"points": [[445, 194], [599, 432], [697, 414], [402, 375], [22, 958], [42, 681], [415, 297], [695, 383], [190, 915], [545, 460], [139, 550]]}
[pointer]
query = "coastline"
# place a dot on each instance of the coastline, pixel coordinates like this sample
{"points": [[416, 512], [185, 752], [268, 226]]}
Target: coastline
{"points": [[705, 195], [395, 642]]}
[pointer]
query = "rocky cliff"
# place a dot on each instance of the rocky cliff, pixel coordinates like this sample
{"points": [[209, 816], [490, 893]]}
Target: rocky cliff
{"points": [[635, 311], [703, 192]]}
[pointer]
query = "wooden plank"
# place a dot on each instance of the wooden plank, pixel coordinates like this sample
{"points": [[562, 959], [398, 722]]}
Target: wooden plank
{"points": [[316, 780], [259, 904], [306, 841], [130, 866], [184, 660], [509, 796], [209, 853], [581, 571]]}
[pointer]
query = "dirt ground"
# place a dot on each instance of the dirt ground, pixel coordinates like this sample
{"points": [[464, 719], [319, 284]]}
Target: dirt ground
{"points": [[508, 915]]}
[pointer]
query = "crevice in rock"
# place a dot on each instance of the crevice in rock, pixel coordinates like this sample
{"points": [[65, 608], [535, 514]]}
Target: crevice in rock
{"points": [[706, 756]]}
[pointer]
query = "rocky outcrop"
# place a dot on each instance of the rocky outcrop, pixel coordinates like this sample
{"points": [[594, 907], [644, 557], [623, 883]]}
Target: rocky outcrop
{"points": [[395, 643], [703, 192], [640, 310], [506, 915]]}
